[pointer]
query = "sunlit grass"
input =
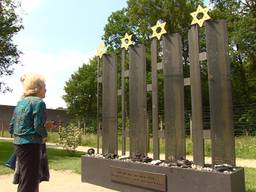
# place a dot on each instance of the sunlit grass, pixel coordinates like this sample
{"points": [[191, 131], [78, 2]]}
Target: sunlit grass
{"points": [[250, 179], [245, 146]]}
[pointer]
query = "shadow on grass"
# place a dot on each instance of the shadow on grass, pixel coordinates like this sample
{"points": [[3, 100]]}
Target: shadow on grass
{"points": [[59, 153], [64, 160], [6, 149]]}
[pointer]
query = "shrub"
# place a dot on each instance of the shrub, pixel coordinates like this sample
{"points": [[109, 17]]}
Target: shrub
{"points": [[70, 137]]}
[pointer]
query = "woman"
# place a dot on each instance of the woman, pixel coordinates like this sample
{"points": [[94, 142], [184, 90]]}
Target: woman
{"points": [[29, 133]]}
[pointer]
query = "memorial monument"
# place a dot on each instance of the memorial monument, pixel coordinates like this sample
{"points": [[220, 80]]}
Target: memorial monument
{"points": [[137, 172]]}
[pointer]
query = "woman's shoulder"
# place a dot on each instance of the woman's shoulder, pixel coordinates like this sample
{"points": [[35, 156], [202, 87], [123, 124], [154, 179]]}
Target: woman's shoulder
{"points": [[34, 100]]}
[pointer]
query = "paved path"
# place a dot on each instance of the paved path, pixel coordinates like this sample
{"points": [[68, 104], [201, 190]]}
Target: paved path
{"points": [[60, 181]]}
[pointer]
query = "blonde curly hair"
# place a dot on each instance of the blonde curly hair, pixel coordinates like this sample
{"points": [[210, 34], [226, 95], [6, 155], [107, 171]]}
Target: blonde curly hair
{"points": [[32, 84]]}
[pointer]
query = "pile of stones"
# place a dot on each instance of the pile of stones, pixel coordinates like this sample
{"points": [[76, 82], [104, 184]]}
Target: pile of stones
{"points": [[181, 163]]}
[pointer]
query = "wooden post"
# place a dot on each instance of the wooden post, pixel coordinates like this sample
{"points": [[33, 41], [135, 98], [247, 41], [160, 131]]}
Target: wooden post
{"points": [[155, 123], [137, 100], [123, 103], [196, 97], [98, 97], [175, 147], [222, 133], [109, 108]]}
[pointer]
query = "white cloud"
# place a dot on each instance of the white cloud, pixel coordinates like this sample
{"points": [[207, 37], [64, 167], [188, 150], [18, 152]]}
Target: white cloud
{"points": [[57, 69], [27, 6]]}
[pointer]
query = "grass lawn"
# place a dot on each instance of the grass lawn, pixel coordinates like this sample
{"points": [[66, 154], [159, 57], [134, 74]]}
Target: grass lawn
{"points": [[245, 145], [62, 160], [58, 159], [250, 179]]}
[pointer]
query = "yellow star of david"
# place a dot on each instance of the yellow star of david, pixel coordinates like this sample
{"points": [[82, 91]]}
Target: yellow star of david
{"points": [[100, 49], [126, 41], [161, 32], [205, 17]]}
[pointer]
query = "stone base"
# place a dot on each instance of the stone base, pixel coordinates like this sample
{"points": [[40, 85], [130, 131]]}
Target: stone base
{"points": [[138, 177]]}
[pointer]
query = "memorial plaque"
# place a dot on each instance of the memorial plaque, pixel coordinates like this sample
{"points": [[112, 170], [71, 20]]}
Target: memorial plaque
{"points": [[144, 179]]}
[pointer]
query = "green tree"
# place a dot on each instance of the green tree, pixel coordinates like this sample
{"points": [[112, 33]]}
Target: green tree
{"points": [[241, 18], [114, 30], [81, 94], [10, 24], [139, 17]]}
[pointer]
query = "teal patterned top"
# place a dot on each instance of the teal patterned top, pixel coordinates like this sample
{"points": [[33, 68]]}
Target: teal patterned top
{"points": [[27, 123]]}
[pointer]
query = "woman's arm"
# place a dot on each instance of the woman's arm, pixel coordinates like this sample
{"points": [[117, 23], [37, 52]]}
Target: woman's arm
{"points": [[40, 119]]}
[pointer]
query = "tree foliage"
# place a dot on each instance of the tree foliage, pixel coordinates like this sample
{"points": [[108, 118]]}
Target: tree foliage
{"points": [[241, 19], [81, 93], [10, 24], [138, 18], [141, 15]]}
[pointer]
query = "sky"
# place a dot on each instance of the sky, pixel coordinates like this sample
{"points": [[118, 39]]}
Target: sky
{"points": [[59, 36]]}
